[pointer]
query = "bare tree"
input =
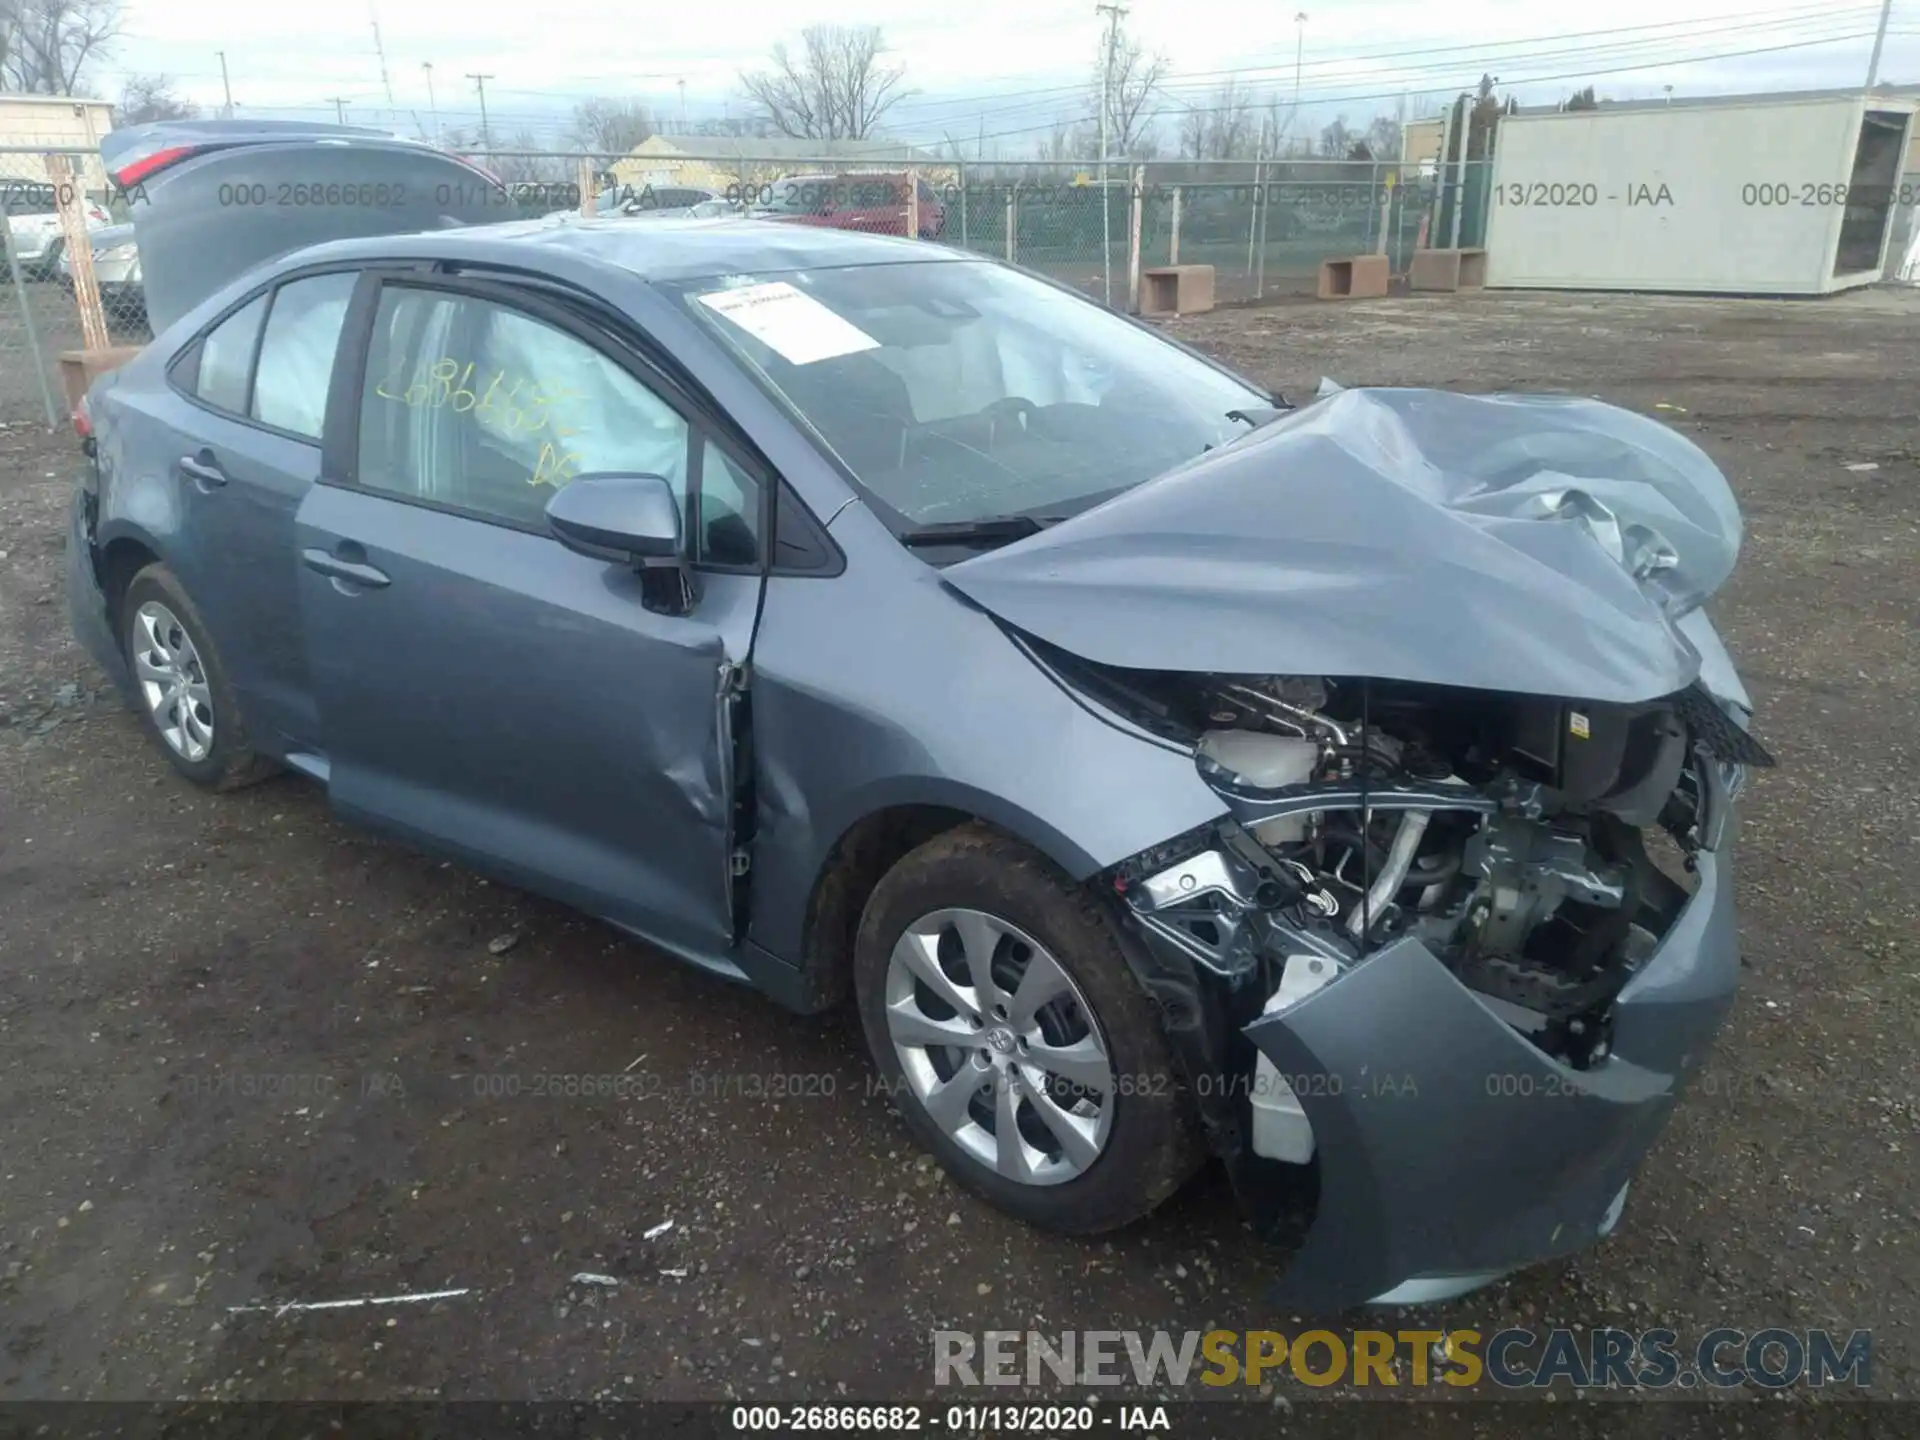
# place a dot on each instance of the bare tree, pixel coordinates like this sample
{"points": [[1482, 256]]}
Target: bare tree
{"points": [[538, 167], [1067, 142], [45, 44], [1132, 92], [1232, 133], [836, 88], [1337, 140], [611, 127], [151, 97], [1382, 138]]}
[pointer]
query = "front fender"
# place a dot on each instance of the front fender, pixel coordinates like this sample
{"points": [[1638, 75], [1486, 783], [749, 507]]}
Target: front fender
{"points": [[913, 698]]}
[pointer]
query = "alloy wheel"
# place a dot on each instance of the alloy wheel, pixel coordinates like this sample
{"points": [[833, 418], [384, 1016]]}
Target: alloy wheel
{"points": [[172, 681], [999, 1046]]}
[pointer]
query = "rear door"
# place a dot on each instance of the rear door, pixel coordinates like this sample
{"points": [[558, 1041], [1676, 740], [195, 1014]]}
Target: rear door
{"points": [[557, 719], [237, 423]]}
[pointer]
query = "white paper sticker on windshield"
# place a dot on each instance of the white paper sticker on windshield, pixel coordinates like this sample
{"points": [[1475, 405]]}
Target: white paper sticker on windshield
{"points": [[798, 327]]}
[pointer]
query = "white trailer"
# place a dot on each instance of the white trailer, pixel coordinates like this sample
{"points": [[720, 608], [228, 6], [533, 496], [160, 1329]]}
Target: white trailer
{"points": [[1757, 196]]}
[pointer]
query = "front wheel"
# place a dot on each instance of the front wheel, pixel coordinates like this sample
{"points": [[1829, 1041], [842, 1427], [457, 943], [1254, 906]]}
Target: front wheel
{"points": [[1001, 1013]]}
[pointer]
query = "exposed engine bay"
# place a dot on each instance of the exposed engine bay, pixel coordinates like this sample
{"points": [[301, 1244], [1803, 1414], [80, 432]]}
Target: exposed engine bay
{"points": [[1510, 834]]}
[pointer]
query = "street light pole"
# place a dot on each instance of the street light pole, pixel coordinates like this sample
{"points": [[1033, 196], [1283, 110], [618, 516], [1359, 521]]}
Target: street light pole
{"points": [[225, 86]]}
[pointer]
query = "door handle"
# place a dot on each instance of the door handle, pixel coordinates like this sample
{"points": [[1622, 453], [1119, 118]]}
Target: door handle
{"points": [[203, 470], [353, 572]]}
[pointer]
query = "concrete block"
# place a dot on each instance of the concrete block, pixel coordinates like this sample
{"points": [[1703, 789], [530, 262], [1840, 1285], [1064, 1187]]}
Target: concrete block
{"points": [[1356, 277], [1464, 269], [1176, 290]]}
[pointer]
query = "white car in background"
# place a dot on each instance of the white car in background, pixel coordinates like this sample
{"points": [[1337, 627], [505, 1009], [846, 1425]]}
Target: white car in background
{"points": [[34, 224], [116, 270], [668, 200]]}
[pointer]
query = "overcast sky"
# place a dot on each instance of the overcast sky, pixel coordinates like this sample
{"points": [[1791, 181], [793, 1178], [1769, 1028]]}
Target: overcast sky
{"points": [[1006, 70]]}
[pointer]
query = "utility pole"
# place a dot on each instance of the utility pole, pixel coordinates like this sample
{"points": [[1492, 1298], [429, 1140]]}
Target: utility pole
{"points": [[433, 106], [339, 109], [1299, 51], [682, 83], [1113, 12], [380, 49], [226, 112], [486, 136], [1879, 43]]}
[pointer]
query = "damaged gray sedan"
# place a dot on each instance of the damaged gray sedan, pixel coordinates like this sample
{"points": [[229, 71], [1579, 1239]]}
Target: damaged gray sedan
{"points": [[1346, 791]]}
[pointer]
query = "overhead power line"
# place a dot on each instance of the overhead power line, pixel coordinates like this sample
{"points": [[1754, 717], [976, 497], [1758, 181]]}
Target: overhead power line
{"points": [[1511, 81], [1493, 51]]}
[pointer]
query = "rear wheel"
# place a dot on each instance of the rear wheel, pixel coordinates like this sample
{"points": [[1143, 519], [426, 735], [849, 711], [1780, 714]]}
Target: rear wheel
{"points": [[998, 1007], [186, 702]]}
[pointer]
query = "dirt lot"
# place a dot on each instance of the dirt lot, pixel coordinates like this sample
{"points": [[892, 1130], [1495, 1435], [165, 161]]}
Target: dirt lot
{"points": [[250, 1055]]}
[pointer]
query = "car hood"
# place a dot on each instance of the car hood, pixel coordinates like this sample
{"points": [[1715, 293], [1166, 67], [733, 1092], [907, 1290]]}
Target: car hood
{"points": [[1550, 545]]}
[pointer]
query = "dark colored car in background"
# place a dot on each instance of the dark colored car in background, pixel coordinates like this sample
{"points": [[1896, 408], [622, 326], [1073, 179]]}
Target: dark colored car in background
{"points": [[1162, 771], [872, 202]]}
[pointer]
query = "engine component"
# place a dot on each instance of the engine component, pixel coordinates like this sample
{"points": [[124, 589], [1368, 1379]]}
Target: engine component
{"points": [[1526, 870], [1406, 842], [1292, 702], [1267, 762]]}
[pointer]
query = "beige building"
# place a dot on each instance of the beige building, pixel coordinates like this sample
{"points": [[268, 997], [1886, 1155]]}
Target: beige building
{"points": [[59, 122], [716, 162], [1420, 142]]}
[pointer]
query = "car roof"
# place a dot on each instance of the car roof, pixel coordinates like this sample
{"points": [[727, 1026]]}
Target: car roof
{"points": [[665, 248]]}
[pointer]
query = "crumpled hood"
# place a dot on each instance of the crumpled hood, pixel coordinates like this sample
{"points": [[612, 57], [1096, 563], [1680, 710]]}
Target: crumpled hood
{"points": [[1543, 544]]}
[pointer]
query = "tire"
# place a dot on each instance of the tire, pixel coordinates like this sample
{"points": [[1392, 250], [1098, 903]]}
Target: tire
{"points": [[157, 612], [1148, 1146]]}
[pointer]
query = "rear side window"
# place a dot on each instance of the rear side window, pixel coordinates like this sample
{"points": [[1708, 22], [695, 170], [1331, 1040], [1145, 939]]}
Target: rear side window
{"points": [[226, 355], [296, 353]]}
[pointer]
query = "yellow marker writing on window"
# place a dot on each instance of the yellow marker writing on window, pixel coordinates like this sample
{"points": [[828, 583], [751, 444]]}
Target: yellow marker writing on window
{"points": [[555, 466]]}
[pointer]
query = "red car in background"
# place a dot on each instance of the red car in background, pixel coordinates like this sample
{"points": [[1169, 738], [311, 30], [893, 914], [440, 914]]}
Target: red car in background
{"points": [[871, 201]]}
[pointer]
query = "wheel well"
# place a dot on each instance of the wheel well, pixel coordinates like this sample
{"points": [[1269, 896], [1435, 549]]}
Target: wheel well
{"points": [[870, 847], [119, 563]]}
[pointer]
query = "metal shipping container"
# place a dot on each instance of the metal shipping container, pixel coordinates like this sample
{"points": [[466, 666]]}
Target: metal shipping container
{"points": [[1759, 196]]}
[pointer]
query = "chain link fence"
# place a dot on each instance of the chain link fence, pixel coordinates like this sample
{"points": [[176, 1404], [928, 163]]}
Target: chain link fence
{"points": [[39, 319], [1265, 227]]}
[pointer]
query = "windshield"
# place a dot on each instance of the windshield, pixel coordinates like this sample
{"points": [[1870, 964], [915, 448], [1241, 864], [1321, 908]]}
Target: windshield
{"points": [[963, 391]]}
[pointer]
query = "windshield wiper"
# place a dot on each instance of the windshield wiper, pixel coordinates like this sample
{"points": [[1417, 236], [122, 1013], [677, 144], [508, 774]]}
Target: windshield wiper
{"points": [[1254, 416], [993, 530]]}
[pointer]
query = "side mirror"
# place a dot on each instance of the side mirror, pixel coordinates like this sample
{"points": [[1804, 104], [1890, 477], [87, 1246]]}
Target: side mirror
{"points": [[612, 516]]}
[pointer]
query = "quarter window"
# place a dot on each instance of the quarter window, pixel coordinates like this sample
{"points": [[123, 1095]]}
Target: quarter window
{"points": [[296, 353], [226, 355]]}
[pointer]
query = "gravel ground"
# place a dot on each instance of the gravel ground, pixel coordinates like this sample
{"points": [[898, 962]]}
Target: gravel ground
{"points": [[250, 1055]]}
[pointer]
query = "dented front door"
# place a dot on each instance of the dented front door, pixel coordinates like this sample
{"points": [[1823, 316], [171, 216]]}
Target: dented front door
{"points": [[508, 699], [559, 719]]}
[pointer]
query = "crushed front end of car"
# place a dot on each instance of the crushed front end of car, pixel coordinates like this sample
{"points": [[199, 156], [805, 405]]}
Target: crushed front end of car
{"points": [[1466, 925], [1456, 951]]}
